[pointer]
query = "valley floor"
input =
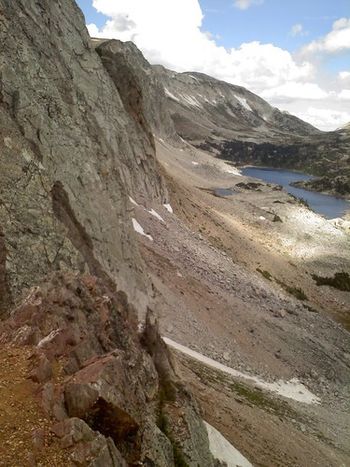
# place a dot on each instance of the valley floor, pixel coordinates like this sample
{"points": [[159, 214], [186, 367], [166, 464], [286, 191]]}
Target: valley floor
{"points": [[233, 282]]}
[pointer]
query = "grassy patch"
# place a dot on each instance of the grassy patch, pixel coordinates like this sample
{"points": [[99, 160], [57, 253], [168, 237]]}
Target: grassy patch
{"points": [[266, 274], [297, 292], [340, 281], [252, 396], [303, 202]]}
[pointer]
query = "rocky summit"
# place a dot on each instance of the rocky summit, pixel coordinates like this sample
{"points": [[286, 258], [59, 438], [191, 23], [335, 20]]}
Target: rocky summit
{"points": [[158, 307]]}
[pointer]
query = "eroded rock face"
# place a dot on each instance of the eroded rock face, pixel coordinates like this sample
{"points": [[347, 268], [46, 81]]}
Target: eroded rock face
{"points": [[101, 383], [70, 153], [124, 60]]}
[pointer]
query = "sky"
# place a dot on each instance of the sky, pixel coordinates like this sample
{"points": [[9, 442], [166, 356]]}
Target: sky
{"points": [[293, 53]]}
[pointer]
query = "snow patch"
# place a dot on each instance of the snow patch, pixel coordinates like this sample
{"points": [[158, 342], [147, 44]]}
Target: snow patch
{"points": [[132, 201], [191, 100], [195, 163], [139, 229], [230, 170], [223, 450], [171, 95], [49, 337], [243, 102], [292, 389], [168, 208], [262, 218], [156, 215]]}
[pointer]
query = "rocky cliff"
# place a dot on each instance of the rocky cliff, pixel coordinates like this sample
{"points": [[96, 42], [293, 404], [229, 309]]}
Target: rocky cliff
{"points": [[71, 152], [99, 393], [76, 144]]}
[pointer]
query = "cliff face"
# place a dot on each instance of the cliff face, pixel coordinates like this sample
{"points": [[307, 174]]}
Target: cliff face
{"points": [[71, 152], [118, 56], [75, 145]]}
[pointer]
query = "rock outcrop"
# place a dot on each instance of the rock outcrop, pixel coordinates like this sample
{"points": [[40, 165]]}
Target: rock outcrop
{"points": [[70, 153], [136, 80], [112, 395]]}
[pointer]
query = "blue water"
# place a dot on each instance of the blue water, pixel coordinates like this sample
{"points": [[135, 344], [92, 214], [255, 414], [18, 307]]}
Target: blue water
{"points": [[326, 205]]}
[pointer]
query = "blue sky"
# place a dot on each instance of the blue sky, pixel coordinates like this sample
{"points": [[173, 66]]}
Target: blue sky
{"points": [[272, 21], [301, 49]]}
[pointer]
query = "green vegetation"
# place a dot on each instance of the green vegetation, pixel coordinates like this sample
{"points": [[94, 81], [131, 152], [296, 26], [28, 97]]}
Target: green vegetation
{"points": [[303, 202], [297, 292], [340, 281], [252, 396], [179, 459], [266, 274]]}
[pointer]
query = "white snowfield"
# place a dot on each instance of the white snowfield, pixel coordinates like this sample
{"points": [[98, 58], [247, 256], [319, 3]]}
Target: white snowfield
{"points": [[292, 389], [171, 95], [156, 215], [223, 450], [139, 229], [132, 201], [244, 103], [168, 208]]}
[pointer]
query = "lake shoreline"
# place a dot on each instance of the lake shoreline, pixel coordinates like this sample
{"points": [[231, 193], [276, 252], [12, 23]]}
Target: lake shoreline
{"points": [[329, 205], [335, 194]]}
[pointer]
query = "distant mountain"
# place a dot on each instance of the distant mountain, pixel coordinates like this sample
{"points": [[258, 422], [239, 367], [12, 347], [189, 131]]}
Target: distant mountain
{"points": [[205, 108]]}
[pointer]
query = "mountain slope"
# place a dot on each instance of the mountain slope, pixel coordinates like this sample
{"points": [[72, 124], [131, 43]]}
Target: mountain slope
{"points": [[204, 107]]}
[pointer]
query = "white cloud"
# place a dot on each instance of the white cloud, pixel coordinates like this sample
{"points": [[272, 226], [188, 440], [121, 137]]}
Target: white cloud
{"points": [[325, 118], [344, 75], [245, 4], [297, 30], [344, 94], [295, 90], [335, 41], [169, 33], [173, 37], [93, 30]]}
